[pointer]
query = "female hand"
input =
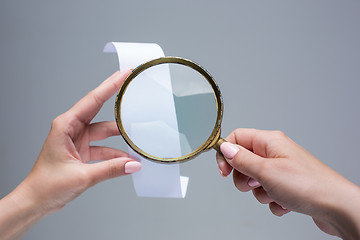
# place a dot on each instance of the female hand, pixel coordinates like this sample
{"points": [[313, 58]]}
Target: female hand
{"points": [[288, 178], [62, 170]]}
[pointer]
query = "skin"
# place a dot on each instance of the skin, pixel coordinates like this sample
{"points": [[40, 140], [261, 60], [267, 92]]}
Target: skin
{"points": [[63, 170], [285, 176], [278, 172]]}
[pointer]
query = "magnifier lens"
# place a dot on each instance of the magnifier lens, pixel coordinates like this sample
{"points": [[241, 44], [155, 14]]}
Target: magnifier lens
{"points": [[169, 110]]}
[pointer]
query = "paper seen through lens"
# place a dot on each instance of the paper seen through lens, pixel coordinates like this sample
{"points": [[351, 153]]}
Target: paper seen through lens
{"points": [[154, 180]]}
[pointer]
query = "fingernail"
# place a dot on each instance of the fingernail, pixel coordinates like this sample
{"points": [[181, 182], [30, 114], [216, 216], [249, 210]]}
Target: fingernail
{"points": [[221, 173], [131, 167], [253, 183], [229, 150], [283, 207]]}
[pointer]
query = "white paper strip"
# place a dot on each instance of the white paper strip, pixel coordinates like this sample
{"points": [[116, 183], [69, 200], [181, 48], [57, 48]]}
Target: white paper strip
{"points": [[154, 180]]}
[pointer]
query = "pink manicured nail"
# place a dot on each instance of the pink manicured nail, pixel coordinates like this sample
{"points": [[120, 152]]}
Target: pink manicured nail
{"points": [[253, 183], [131, 167], [229, 150]]}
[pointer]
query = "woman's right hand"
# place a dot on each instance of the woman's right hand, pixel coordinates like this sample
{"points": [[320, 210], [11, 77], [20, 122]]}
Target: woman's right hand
{"points": [[63, 169], [288, 178]]}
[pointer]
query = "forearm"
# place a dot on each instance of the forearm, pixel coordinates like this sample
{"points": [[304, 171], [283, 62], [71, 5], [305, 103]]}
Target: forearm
{"points": [[19, 212]]}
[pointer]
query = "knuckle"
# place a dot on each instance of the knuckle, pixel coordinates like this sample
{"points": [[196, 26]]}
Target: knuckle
{"points": [[278, 135], [239, 131], [97, 99], [233, 134], [57, 122], [274, 138], [85, 178], [236, 131], [62, 123]]}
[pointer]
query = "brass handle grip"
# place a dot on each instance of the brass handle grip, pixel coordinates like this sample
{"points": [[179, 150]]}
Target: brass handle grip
{"points": [[218, 144]]}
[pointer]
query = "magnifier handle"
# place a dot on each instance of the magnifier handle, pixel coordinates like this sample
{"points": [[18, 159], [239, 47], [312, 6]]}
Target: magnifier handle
{"points": [[218, 144]]}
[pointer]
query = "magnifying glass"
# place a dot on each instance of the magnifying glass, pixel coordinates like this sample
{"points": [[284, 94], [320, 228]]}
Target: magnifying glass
{"points": [[170, 110]]}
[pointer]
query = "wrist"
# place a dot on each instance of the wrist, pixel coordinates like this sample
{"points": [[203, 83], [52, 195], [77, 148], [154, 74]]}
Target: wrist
{"points": [[30, 195], [343, 209], [23, 199], [19, 211]]}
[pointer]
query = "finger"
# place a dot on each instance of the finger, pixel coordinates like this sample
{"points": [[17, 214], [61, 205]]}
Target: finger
{"points": [[98, 153], [241, 181], [242, 159], [102, 130], [262, 196], [86, 109], [112, 168], [277, 210], [244, 137], [224, 168], [251, 139]]}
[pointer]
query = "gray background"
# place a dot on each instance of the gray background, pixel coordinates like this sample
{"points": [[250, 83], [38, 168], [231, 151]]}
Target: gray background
{"points": [[288, 65]]}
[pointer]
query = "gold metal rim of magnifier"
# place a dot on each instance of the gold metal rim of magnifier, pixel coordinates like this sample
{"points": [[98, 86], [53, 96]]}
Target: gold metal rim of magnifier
{"points": [[214, 139]]}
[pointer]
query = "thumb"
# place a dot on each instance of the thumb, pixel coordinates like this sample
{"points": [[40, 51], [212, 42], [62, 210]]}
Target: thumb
{"points": [[241, 159], [112, 168]]}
